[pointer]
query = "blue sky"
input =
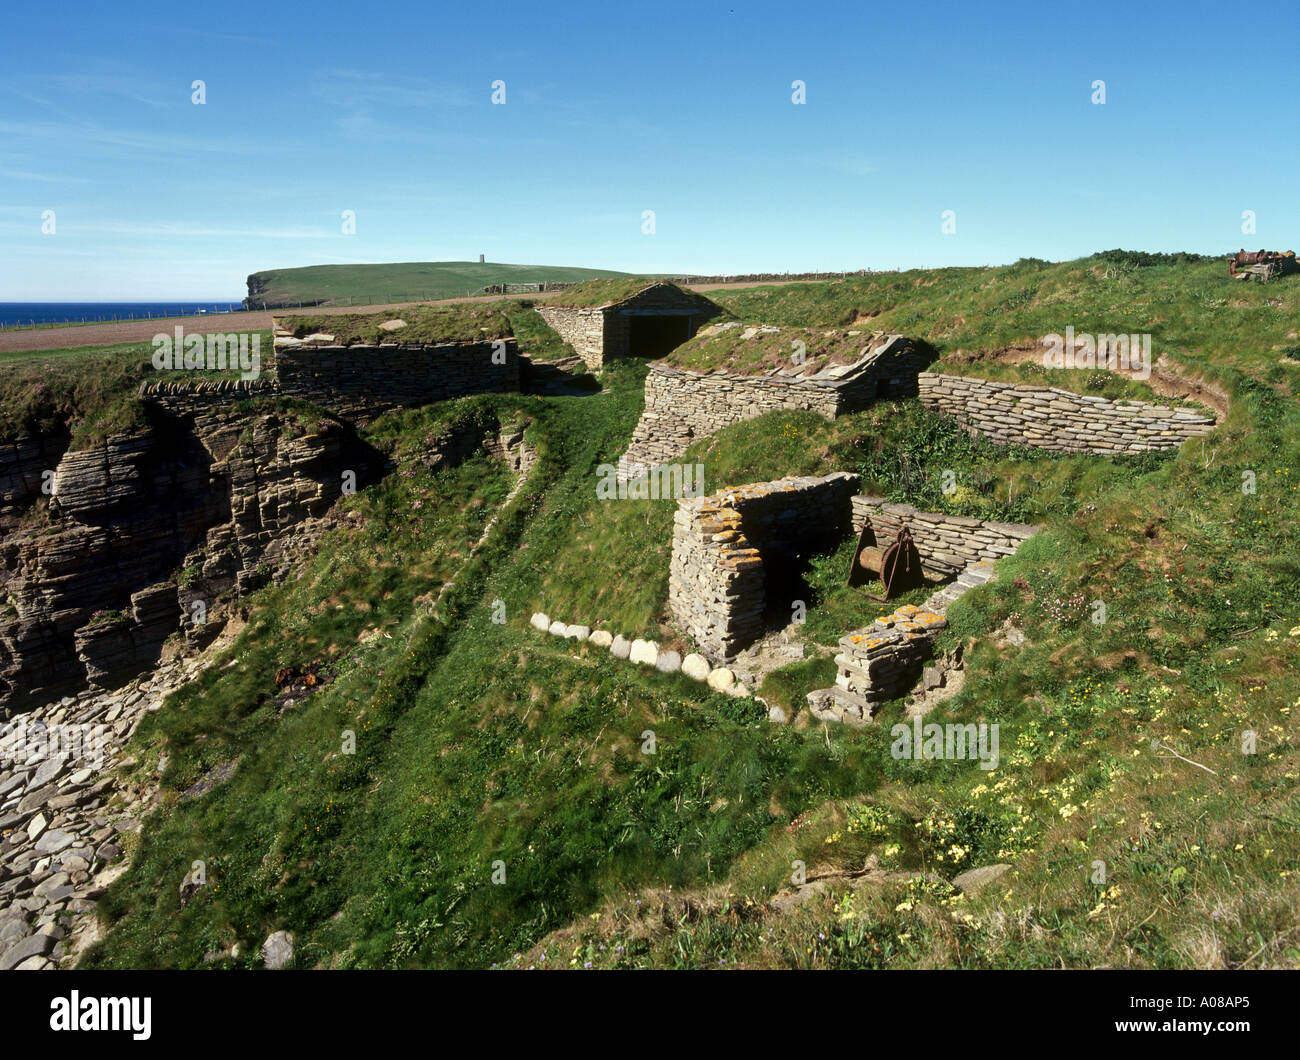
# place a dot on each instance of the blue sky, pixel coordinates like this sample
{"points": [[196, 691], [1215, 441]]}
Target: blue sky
{"points": [[616, 108]]}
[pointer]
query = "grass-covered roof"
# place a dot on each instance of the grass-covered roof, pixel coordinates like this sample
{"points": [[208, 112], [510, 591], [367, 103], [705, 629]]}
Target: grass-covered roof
{"points": [[435, 325], [594, 293], [757, 349]]}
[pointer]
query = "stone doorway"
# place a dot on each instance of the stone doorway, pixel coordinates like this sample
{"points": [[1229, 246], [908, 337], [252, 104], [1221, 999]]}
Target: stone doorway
{"points": [[655, 336]]}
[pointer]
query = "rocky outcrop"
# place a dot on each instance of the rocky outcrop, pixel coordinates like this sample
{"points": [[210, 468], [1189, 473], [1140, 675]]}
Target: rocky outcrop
{"points": [[26, 473], [885, 660], [92, 585]]}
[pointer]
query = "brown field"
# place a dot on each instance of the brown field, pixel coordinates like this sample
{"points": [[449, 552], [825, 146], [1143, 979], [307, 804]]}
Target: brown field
{"points": [[107, 334]]}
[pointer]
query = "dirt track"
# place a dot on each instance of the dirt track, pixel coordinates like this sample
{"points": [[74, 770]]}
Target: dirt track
{"points": [[108, 334]]}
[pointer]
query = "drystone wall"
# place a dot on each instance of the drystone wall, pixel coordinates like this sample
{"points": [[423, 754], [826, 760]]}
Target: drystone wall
{"points": [[189, 399], [716, 585], [948, 543], [681, 406], [582, 328], [886, 659], [1050, 418], [360, 382], [877, 664]]}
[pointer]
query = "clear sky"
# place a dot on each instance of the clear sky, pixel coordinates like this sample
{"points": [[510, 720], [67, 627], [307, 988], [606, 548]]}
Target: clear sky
{"points": [[614, 108]]}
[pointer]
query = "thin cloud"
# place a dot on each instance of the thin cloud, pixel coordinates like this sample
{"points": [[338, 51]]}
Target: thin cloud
{"points": [[44, 178]]}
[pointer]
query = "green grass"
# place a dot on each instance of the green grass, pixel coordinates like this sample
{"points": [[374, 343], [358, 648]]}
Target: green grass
{"points": [[423, 324], [1194, 312], [603, 292], [87, 392], [714, 349], [481, 742], [405, 281]]}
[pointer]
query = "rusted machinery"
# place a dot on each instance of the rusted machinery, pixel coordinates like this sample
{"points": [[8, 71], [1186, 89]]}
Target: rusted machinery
{"points": [[1261, 264], [886, 550]]}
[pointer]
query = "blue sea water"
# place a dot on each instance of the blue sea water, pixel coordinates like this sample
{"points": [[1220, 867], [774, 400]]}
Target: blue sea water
{"points": [[12, 313]]}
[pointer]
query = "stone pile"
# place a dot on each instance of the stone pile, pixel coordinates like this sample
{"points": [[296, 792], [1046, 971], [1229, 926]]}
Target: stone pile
{"points": [[716, 584], [1050, 418], [887, 659], [62, 817], [877, 664]]}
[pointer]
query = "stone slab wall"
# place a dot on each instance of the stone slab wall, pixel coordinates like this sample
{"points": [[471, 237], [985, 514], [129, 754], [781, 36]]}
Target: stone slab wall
{"points": [[1050, 418], [582, 328], [681, 406], [948, 543], [365, 381], [716, 585], [195, 399]]}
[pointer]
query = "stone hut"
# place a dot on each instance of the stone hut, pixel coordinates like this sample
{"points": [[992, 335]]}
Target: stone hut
{"points": [[728, 549], [607, 319]]}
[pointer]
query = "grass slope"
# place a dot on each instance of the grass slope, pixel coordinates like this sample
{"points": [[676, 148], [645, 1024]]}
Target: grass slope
{"points": [[483, 746], [412, 280]]}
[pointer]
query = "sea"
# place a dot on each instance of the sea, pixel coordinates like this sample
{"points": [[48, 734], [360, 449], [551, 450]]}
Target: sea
{"points": [[26, 313]]}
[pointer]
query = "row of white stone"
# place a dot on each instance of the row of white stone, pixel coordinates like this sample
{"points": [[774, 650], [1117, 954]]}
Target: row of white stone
{"points": [[646, 653]]}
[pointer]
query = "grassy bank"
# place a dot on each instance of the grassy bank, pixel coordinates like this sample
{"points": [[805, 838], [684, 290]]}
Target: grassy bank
{"points": [[483, 747]]}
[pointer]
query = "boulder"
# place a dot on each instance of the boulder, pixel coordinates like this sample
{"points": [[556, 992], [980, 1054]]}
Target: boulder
{"points": [[540, 621], [576, 632], [557, 629], [277, 950], [645, 652], [721, 679], [668, 662], [54, 841], [972, 880], [739, 690], [620, 647], [32, 946], [696, 666], [602, 638]]}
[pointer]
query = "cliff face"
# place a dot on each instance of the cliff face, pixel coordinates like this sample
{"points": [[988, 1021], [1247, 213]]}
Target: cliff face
{"points": [[151, 532]]}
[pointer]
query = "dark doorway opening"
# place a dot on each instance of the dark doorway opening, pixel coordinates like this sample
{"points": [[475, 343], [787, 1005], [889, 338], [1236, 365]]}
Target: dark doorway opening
{"points": [[785, 584], [657, 336]]}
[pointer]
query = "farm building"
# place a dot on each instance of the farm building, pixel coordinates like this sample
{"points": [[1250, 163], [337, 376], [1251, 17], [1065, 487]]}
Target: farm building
{"points": [[607, 319]]}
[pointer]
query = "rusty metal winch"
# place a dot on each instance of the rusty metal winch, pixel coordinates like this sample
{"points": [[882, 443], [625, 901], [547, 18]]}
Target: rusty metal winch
{"points": [[1262, 264], [886, 550]]}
